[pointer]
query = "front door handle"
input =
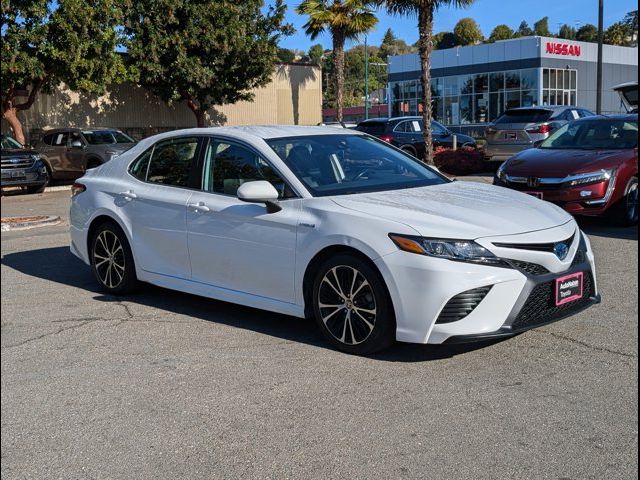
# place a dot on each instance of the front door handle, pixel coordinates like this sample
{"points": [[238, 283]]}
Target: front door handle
{"points": [[199, 207], [129, 195]]}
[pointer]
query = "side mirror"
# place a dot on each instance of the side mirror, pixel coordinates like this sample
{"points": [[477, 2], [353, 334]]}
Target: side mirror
{"points": [[260, 191], [76, 144]]}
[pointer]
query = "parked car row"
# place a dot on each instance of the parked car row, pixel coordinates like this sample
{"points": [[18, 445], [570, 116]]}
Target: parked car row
{"points": [[63, 153]]}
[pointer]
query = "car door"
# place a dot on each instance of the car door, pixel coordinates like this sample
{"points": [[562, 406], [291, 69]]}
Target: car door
{"points": [[56, 152], [76, 154], [236, 245], [155, 205]]}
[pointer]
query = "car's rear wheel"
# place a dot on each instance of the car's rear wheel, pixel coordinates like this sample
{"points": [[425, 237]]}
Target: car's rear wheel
{"points": [[410, 150], [352, 306], [111, 259], [625, 212]]}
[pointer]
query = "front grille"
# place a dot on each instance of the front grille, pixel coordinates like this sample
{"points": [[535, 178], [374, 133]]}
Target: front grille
{"points": [[537, 247], [20, 163], [462, 305], [529, 268], [541, 307]]}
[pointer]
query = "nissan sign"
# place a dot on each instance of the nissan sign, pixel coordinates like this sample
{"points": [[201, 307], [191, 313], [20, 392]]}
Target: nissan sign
{"points": [[563, 49]]}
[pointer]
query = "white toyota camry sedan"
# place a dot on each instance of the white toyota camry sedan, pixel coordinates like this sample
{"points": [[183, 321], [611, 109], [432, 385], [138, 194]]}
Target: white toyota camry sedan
{"points": [[334, 225]]}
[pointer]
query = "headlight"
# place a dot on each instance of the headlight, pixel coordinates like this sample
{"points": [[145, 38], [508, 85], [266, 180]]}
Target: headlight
{"points": [[35, 157], [592, 177], [456, 250], [501, 171]]}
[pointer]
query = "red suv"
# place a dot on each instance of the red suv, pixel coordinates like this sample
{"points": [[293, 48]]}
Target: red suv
{"points": [[588, 167]]}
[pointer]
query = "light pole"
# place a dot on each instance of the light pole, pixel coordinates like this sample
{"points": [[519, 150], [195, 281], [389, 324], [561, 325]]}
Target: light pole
{"points": [[366, 78], [599, 70]]}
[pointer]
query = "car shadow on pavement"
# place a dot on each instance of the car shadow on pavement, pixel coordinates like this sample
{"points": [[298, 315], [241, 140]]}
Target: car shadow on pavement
{"points": [[58, 265], [602, 227]]}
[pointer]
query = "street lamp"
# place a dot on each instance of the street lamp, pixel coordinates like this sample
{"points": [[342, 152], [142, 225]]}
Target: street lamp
{"points": [[599, 70], [366, 77]]}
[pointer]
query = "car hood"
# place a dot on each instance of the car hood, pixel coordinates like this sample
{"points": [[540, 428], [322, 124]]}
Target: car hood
{"points": [[17, 152], [548, 163], [466, 210]]}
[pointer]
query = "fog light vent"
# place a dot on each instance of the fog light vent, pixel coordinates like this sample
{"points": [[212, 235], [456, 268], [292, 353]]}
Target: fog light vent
{"points": [[462, 305]]}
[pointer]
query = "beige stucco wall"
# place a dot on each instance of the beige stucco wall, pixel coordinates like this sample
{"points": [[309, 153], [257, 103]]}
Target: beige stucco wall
{"points": [[294, 96]]}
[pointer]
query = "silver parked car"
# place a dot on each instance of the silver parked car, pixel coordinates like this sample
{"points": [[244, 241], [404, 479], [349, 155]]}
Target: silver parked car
{"points": [[520, 128], [69, 152]]}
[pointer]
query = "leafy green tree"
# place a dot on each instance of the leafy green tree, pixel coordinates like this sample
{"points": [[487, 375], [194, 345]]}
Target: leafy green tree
{"points": [[617, 34], [567, 32], [524, 30], [541, 27], [355, 72], [205, 53], [392, 45], [424, 11], [468, 32], [587, 33], [631, 23], [316, 53], [501, 32], [444, 40], [286, 56], [344, 20], [47, 43]]}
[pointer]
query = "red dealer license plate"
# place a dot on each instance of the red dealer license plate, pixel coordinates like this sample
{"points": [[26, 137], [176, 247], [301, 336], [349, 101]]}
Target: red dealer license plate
{"points": [[569, 288]]}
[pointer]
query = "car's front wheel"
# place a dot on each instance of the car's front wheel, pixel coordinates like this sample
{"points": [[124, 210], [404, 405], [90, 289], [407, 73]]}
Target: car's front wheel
{"points": [[352, 306], [625, 212], [111, 259]]}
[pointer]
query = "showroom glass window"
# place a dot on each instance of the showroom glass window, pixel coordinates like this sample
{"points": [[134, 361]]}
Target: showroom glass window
{"points": [[471, 99], [559, 86]]}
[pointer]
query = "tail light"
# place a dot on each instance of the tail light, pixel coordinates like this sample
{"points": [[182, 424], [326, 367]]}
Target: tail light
{"points": [[77, 188], [386, 138], [544, 128], [490, 130]]}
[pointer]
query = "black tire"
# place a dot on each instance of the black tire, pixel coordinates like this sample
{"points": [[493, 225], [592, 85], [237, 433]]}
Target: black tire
{"points": [[113, 268], [364, 333], [410, 150], [41, 188], [625, 212]]}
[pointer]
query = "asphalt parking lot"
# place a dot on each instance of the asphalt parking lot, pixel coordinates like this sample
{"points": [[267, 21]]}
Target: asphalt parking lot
{"points": [[167, 385]]}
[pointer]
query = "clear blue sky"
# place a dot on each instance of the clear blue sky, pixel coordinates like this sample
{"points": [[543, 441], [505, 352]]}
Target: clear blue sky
{"points": [[488, 14]]}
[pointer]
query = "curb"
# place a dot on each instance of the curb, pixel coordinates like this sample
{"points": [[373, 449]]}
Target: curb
{"points": [[41, 221], [57, 188]]}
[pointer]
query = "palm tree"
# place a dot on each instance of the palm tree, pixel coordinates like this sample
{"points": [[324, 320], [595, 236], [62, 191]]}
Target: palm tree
{"points": [[345, 20], [424, 10]]}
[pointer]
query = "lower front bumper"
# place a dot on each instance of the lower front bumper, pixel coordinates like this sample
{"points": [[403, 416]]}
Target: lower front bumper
{"points": [[506, 332]]}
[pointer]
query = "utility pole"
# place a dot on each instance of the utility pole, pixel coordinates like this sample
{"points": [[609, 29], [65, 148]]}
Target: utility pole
{"points": [[366, 79], [599, 71]]}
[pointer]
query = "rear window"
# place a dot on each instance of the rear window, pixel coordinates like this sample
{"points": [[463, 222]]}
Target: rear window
{"points": [[372, 128], [106, 137], [528, 115]]}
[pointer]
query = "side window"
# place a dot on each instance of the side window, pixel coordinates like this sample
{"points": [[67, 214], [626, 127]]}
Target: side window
{"points": [[227, 166], [60, 139], [402, 127], [172, 161], [140, 165], [48, 139], [75, 136]]}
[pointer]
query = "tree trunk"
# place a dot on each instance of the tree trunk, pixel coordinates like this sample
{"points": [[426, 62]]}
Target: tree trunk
{"points": [[425, 28], [338, 59], [200, 114], [10, 114]]}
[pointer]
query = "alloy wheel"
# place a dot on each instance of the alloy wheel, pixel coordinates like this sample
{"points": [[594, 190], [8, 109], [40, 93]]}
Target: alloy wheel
{"points": [[109, 259], [347, 305]]}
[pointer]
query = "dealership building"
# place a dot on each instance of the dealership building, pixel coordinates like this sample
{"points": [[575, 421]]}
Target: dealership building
{"points": [[473, 85]]}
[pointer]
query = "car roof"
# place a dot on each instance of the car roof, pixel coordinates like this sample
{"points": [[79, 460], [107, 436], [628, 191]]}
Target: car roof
{"points": [[78, 129]]}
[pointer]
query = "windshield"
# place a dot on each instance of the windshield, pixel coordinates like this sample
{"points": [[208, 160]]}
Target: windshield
{"points": [[9, 143], [345, 164], [602, 134], [525, 116], [106, 137]]}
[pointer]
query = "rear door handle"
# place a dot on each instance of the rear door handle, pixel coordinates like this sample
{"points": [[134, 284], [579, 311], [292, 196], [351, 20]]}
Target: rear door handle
{"points": [[199, 207], [128, 195]]}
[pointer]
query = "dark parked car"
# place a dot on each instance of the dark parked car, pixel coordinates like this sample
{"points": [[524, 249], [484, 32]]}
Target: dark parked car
{"points": [[587, 167], [69, 152], [406, 134], [519, 128], [22, 167]]}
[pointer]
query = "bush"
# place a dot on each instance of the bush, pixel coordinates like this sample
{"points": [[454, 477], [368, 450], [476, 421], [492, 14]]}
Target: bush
{"points": [[464, 161]]}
